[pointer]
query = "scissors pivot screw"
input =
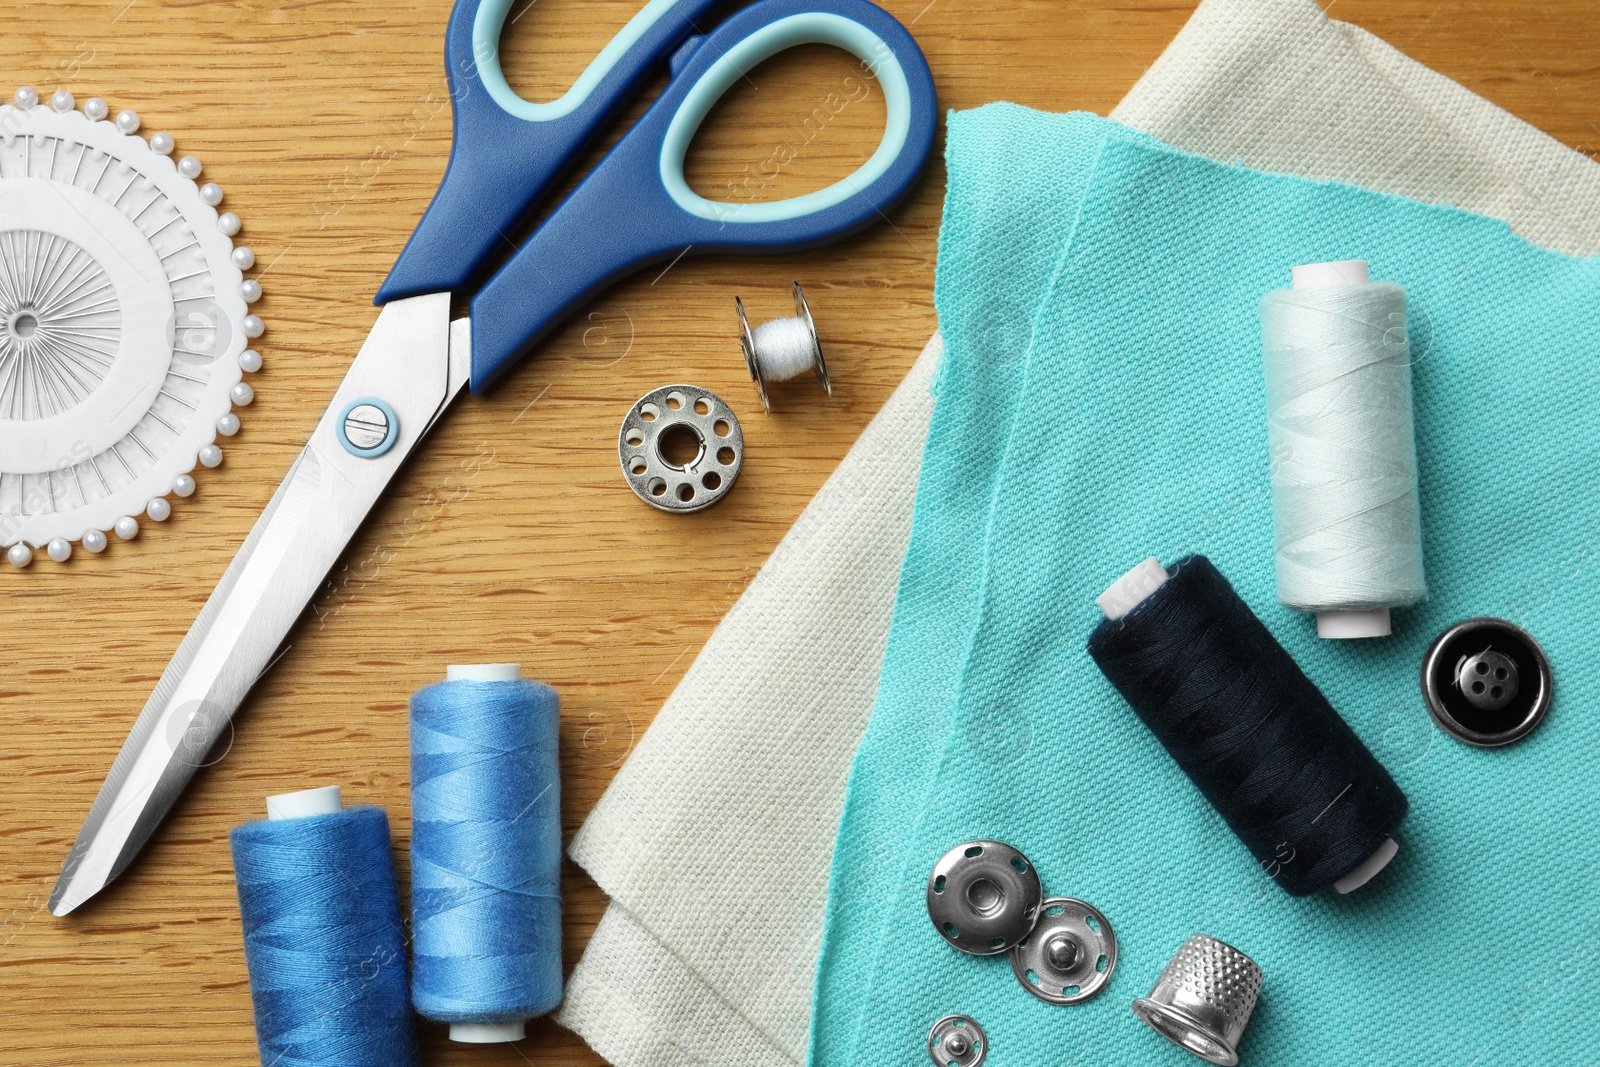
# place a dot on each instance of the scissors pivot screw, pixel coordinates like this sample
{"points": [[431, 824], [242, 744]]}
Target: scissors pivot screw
{"points": [[368, 427]]}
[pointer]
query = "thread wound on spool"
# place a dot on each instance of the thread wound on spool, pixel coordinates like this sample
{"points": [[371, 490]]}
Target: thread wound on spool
{"points": [[485, 851], [783, 347], [323, 941], [1257, 737], [1345, 508]]}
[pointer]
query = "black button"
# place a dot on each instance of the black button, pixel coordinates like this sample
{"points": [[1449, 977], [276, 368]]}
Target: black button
{"points": [[1486, 681]]}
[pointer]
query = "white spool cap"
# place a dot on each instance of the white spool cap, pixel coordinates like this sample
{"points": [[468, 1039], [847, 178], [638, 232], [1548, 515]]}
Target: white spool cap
{"points": [[483, 672], [1342, 625], [1129, 591], [1329, 275], [1369, 870], [326, 800], [485, 1033]]}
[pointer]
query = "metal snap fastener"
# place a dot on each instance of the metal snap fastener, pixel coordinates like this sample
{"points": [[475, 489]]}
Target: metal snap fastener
{"points": [[1486, 682], [957, 1041], [983, 897], [368, 427], [1070, 954], [1204, 999], [681, 448]]}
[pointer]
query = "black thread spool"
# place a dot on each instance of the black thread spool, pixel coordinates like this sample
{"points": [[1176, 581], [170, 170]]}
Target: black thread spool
{"points": [[1258, 738]]}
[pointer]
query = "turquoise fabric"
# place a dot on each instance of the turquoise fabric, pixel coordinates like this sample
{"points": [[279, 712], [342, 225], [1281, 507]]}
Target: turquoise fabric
{"points": [[1102, 401]]}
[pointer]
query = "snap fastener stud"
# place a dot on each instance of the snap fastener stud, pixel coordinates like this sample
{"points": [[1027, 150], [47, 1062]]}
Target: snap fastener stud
{"points": [[1486, 682], [983, 897], [1061, 952], [957, 1041], [1070, 954], [1204, 999]]}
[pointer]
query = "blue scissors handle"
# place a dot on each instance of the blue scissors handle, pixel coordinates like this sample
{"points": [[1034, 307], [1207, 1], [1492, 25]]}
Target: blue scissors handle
{"points": [[635, 208], [507, 151]]}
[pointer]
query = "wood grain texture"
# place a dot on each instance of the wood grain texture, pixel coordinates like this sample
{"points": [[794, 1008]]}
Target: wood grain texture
{"points": [[512, 537]]}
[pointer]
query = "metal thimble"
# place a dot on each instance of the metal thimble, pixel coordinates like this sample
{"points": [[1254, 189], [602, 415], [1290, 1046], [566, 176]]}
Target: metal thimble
{"points": [[1204, 998]]}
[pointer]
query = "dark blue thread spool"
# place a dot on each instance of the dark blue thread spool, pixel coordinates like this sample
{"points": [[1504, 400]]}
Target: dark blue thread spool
{"points": [[1241, 718]]}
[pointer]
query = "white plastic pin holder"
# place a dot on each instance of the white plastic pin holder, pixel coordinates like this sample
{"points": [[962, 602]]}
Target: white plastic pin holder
{"points": [[783, 349], [125, 326]]}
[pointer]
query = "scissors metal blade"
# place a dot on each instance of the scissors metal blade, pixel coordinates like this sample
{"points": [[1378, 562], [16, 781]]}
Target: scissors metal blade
{"points": [[415, 361]]}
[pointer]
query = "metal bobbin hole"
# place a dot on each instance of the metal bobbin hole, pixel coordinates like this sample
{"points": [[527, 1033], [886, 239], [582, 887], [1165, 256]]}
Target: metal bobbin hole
{"points": [[681, 448]]}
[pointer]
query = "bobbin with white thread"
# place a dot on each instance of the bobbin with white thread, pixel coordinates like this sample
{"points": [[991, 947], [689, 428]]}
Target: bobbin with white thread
{"points": [[1132, 589], [783, 349]]}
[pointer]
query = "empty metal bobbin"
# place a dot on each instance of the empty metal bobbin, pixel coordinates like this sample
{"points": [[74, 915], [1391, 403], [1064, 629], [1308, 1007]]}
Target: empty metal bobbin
{"points": [[681, 448], [753, 352], [1204, 998], [983, 897], [1070, 954], [957, 1041]]}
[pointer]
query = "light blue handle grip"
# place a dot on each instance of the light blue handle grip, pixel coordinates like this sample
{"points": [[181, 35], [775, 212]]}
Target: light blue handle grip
{"points": [[635, 208], [507, 151]]}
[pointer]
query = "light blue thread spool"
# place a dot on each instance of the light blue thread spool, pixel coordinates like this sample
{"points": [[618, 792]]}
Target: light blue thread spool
{"points": [[323, 938], [1345, 507], [485, 852]]}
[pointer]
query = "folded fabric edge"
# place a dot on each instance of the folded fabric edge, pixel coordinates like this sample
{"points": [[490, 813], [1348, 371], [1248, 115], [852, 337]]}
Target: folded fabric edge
{"points": [[638, 1005], [1563, 183], [1204, 94]]}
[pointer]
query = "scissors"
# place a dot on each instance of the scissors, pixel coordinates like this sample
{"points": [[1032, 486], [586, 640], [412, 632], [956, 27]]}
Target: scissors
{"points": [[633, 209]]}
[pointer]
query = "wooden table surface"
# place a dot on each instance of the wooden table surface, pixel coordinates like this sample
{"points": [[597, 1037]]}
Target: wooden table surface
{"points": [[512, 536]]}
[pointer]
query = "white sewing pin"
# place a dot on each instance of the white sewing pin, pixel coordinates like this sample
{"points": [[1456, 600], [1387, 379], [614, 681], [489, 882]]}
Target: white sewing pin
{"points": [[783, 349]]}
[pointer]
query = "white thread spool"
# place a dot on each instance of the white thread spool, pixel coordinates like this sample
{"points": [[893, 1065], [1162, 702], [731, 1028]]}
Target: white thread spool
{"points": [[1345, 508], [783, 349]]}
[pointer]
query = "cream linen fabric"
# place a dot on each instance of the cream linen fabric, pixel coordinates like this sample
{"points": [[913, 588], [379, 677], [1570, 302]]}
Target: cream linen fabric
{"points": [[714, 841]]}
